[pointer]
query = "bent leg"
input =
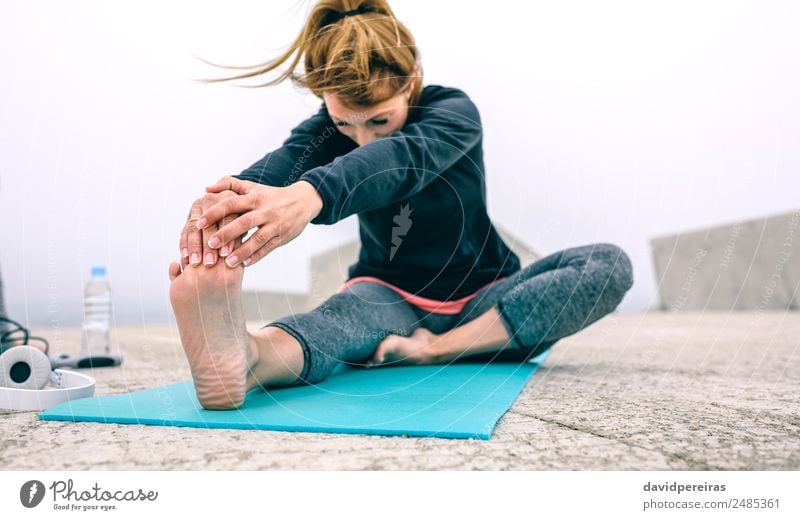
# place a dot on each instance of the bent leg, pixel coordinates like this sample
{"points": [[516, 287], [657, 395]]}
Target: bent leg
{"points": [[347, 328], [554, 297]]}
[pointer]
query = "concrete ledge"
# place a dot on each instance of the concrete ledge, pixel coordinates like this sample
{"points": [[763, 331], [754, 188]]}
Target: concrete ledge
{"points": [[752, 265], [265, 306]]}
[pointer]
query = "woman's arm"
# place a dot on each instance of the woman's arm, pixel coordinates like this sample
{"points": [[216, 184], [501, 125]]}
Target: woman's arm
{"points": [[312, 143], [391, 168], [368, 177]]}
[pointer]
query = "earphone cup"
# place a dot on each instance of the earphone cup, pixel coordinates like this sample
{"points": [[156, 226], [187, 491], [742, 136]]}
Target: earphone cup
{"points": [[24, 367]]}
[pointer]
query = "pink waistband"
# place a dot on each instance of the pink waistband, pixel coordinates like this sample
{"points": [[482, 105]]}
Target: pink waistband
{"points": [[426, 304]]}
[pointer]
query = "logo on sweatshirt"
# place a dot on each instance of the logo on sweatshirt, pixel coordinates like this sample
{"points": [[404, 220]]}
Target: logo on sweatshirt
{"points": [[402, 225]]}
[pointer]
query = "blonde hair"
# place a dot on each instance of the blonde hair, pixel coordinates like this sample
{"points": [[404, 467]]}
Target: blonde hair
{"points": [[363, 59]]}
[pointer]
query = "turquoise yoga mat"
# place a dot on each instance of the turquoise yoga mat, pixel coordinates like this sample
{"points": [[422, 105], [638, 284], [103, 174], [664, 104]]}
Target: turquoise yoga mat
{"points": [[459, 401]]}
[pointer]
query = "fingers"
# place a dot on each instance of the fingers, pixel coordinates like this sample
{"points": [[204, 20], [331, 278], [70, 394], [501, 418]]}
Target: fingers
{"points": [[258, 255], [238, 227], [226, 249], [259, 245], [233, 244], [229, 183], [385, 347], [209, 253], [228, 206], [194, 239], [192, 249], [193, 243], [183, 243]]}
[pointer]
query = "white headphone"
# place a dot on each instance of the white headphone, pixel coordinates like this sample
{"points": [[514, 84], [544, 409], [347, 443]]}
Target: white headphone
{"points": [[25, 371]]}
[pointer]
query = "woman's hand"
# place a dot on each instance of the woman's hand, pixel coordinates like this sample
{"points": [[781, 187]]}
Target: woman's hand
{"points": [[417, 349], [280, 214], [194, 249]]}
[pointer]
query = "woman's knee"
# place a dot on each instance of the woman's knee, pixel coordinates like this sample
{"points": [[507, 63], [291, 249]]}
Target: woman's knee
{"points": [[616, 268]]}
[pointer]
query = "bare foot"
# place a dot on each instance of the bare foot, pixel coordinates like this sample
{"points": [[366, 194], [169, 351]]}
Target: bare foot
{"points": [[207, 306], [417, 349]]}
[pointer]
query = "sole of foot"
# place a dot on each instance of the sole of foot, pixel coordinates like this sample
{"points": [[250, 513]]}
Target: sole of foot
{"points": [[206, 301]]}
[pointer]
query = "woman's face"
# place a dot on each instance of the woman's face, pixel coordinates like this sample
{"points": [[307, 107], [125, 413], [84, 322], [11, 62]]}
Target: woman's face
{"points": [[363, 124]]}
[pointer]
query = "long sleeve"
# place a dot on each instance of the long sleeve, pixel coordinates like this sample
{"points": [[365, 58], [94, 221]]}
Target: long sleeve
{"points": [[313, 142], [394, 167]]}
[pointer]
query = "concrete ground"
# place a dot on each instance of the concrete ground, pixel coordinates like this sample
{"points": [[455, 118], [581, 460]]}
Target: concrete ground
{"points": [[651, 391]]}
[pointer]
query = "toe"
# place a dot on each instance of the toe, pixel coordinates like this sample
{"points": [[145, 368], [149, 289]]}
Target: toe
{"points": [[174, 270]]}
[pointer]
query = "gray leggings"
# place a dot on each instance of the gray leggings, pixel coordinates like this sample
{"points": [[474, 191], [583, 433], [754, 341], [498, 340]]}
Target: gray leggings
{"points": [[554, 297]]}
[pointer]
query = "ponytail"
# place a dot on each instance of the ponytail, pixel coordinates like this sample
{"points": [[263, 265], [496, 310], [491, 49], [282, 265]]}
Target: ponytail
{"points": [[364, 56]]}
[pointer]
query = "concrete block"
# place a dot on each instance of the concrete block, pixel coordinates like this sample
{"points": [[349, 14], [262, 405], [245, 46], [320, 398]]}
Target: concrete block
{"points": [[752, 265], [264, 306], [329, 271]]}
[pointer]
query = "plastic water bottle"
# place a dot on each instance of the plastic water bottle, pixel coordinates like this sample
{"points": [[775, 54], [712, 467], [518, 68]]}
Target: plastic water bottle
{"points": [[96, 337]]}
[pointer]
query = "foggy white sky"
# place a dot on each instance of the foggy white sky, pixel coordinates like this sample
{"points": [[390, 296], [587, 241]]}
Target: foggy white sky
{"points": [[603, 122]]}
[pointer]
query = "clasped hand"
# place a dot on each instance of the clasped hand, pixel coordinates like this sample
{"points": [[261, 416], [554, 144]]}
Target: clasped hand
{"points": [[219, 221]]}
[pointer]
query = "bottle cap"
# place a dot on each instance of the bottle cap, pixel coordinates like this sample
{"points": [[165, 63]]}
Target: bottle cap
{"points": [[98, 271]]}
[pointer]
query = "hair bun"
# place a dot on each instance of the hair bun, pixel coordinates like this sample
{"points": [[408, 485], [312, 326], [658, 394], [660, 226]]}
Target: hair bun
{"points": [[361, 9]]}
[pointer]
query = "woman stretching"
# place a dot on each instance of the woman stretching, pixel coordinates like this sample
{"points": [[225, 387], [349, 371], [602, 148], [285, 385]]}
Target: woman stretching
{"points": [[434, 282]]}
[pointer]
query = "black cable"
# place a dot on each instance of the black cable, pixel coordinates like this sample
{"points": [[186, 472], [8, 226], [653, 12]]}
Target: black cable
{"points": [[7, 342]]}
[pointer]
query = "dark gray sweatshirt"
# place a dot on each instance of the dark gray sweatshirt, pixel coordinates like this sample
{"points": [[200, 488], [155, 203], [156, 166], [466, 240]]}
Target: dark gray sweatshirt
{"points": [[419, 193]]}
